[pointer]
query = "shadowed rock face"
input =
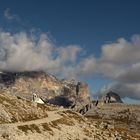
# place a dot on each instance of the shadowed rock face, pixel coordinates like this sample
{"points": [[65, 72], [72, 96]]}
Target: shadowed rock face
{"points": [[61, 101], [112, 96], [46, 86]]}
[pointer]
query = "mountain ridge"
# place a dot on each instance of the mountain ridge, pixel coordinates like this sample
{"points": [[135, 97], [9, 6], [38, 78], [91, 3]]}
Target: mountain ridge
{"points": [[46, 86]]}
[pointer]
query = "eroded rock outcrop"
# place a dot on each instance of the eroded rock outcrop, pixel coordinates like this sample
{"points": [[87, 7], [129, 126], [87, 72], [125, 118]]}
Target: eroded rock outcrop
{"points": [[111, 97], [47, 87]]}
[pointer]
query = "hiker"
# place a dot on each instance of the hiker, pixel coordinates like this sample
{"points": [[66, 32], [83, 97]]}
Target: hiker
{"points": [[90, 105], [96, 103], [82, 111], [73, 106], [87, 107]]}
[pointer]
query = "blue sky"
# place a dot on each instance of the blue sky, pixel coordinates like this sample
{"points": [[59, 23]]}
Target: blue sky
{"points": [[87, 23]]}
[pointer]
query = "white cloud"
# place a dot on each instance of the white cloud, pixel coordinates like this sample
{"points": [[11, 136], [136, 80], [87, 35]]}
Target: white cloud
{"points": [[87, 66], [122, 52], [119, 61], [21, 52], [130, 74]]}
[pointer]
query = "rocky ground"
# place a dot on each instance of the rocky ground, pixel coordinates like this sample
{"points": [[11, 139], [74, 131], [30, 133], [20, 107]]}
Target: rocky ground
{"points": [[120, 116], [24, 120]]}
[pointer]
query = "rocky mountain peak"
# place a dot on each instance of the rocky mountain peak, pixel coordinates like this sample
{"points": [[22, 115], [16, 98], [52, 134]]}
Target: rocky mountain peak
{"points": [[44, 85], [111, 97]]}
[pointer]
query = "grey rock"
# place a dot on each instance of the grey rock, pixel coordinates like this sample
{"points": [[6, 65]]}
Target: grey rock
{"points": [[111, 97], [47, 87]]}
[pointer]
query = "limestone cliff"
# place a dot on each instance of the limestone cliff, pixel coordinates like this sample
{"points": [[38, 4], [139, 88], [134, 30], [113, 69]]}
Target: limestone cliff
{"points": [[46, 86]]}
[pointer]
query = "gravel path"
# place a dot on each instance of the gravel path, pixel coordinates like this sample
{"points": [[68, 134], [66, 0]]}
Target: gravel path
{"points": [[52, 116]]}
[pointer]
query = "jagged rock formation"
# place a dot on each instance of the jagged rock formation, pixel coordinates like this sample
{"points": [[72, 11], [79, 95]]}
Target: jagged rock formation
{"points": [[45, 86], [111, 97]]}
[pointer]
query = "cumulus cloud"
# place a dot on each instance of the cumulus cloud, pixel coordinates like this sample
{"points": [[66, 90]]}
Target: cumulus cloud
{"points": [[130, 74], [87, 66], [21, 52], [119, 61], [8, 15], [123, 51]]}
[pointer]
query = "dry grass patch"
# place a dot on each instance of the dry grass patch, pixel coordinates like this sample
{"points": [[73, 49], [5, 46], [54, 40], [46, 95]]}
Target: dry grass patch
{"points": [[5, 135], [73, 115], [93, 117], [32, 128], [9, 101], [46, 127], [126, 134], [63, 121], [87, 132], [20, 110], [46, 107]]}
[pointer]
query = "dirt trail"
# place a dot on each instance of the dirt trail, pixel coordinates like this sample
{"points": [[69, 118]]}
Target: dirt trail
{"points": [[52, 116]]}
